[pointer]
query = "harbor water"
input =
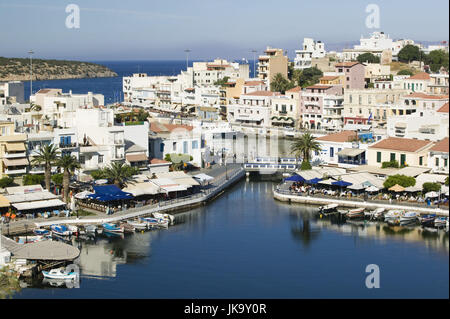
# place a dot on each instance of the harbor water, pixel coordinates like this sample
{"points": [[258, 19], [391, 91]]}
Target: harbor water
{"points": [[245, 244]]}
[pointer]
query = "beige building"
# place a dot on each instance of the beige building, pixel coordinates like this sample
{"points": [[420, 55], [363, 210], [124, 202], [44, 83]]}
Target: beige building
{"points": [[376, 71], [360, 104], [286, 108], [13, 156], [273, 62], [407, 152]]}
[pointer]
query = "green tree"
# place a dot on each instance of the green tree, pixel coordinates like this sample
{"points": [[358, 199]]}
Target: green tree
{"points": [[69, 164], [303, 146], [368, 57], [57, 179], [47, 155], [446, 181], [431, 187], [6, 181], [280, 84], [309, 77], [98, 174], [142, 115], [33, 179], [436, 59], [119, 173], [221, 82], [401, 180], [409, 53], [405, 72]]}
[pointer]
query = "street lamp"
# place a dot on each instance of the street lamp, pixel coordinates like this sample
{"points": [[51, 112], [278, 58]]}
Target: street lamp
{"points": [[187, 57], [31, 71]]}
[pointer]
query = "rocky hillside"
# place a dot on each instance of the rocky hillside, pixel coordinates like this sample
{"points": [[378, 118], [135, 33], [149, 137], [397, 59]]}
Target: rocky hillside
{"points": [[16, 69]]}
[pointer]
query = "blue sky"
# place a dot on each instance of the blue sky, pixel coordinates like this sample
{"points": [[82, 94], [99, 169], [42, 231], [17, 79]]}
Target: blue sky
{"points": [[148, 29]]}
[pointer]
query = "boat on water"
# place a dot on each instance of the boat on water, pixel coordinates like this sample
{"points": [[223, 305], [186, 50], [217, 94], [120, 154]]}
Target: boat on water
{"points": [[409, 217], [30, 239], [111, 228], [60, 274], [355, 213], [41, 232], [328, 208], [60, 230], [393, 216], [127, 228], [155, 222], [91, 229], [428, 220], [167, 217], [440, 222], [73, 229], [139, 225], [375, 214]]}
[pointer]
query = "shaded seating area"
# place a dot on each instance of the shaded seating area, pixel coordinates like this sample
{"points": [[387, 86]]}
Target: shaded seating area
{"points": [[105, 196]]}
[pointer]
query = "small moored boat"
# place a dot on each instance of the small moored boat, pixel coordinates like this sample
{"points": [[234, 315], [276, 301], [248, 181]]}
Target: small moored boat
{"points": [[428, 220], [440, 222], [393, 215], [409, 217], [166, 217], [328, 208], [111, 228], [92, 229], [127, 228], [60, 230], [155, 222], [41, 232], [355, 213], [138, 225], [60, 274]]}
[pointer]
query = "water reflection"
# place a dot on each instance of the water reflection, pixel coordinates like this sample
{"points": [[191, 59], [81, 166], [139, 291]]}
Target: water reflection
{"points": [[307, 224]]}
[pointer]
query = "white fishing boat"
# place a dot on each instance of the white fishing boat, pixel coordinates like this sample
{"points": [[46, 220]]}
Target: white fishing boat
{"points": [[328, 208], [111, 228], [73, 229], [378, 213], [155, 222], [167, 217], [127, 228], [60, 230], [393, 215], [60, 274], [138, 225], [355, 213], [440, 222], [409, 217], [92, 229]]}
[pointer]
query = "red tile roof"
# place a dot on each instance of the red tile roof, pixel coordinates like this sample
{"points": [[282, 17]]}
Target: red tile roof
{"points": [[344, 136], [401, 144], [441, 146], [420, 76], [158, 161], [320, 86], [329, 77], [427, 96], [444, 108], [253, 83], [294, 90], [164, 128]]}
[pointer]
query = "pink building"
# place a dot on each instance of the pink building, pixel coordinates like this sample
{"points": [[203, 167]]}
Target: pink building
{"points": [[353, 73], [312, 104]]}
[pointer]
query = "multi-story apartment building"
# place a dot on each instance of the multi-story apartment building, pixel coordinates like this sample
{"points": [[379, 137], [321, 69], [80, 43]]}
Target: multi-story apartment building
{"points": [[370, 105], [285, 110], [207, 73], [417, 83], [11, 92], [310, 49], [312, 105], [273, 62], [13, 155], [438, 84], [353, 74]]}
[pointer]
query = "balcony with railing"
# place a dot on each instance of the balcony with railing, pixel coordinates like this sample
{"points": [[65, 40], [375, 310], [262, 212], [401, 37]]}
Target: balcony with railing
{"points": [[68, 145], [14, 154], [352, 161]]}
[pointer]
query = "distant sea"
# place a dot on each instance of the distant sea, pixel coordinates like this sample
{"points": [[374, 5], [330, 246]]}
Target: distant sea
{"points": [[111, 87]]}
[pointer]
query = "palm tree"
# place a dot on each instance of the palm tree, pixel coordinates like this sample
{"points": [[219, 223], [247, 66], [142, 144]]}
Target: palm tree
{"points": [[119, 173], [47, 155], [304, 145], [68, 163]]}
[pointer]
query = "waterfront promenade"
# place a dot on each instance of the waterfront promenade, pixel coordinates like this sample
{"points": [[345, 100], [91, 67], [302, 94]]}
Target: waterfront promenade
{"points": [[286, 196], [223, 178]]}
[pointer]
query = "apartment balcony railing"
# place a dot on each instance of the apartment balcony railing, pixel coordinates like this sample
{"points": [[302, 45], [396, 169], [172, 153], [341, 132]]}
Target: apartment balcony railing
{"points": [[14, 155], [68, 145], [14, 170]]}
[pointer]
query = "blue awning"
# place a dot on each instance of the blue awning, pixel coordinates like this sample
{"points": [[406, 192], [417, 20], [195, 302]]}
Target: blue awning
{"points": [[295, 178], [106, 193], [313, 181], [341, 183]]}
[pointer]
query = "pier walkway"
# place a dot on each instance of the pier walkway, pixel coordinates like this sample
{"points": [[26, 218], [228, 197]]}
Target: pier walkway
{"points": [[287, 196], [224, 177]]}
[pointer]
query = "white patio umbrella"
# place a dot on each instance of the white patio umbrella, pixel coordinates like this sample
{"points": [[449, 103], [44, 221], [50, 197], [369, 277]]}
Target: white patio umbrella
{"points": [[101, 181], [431, 195], [372, 189], [82, 195]]}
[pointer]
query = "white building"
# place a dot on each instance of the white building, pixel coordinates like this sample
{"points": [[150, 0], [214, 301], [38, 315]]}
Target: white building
{"points": [[11, 92], [310, 49], [438, 156]]}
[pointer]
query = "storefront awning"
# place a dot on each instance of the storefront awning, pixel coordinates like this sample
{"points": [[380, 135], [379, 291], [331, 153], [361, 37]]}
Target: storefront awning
{"points": [[351, 152], [15, 162], [38, 204], [136, 158], [4, 202]]}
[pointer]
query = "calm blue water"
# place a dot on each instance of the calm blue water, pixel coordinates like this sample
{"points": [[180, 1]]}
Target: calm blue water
{"points": [[247, 245], [111, 88]]}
